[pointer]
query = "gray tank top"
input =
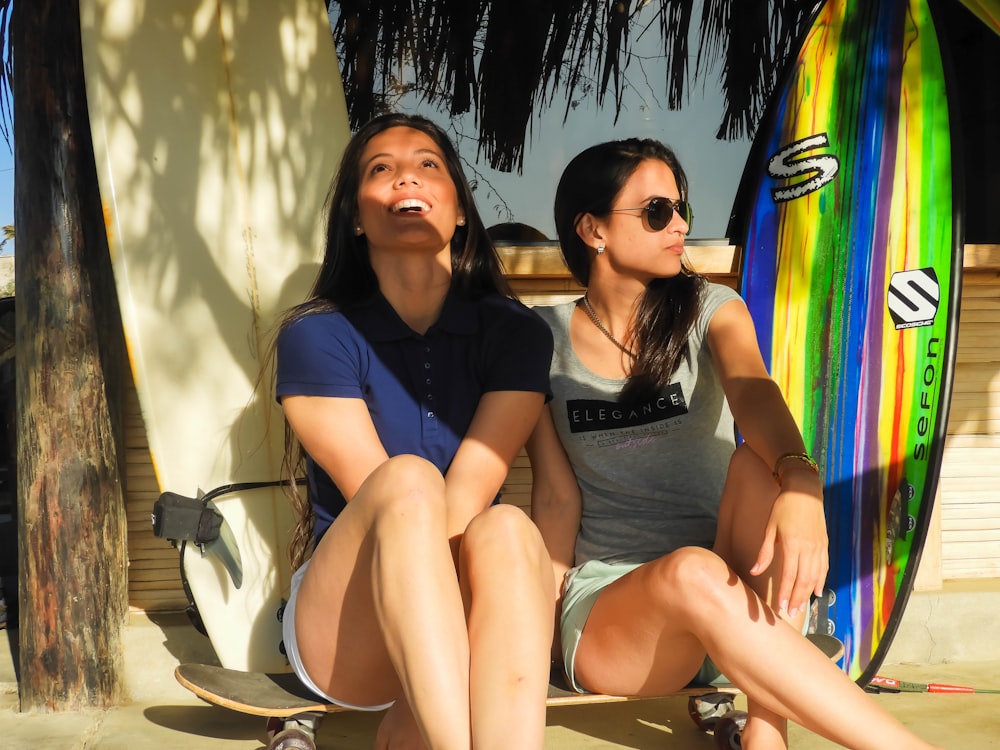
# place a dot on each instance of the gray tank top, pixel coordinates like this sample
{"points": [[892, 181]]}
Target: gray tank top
{"points": [[651, 474]]}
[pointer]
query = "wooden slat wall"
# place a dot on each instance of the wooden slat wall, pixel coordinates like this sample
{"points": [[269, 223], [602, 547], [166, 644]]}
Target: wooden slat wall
{"points": [[968, 518], [154, 581], [970, 473]]}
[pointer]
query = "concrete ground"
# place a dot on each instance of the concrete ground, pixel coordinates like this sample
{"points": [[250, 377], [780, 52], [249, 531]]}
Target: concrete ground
{"points": [[948, 636]]}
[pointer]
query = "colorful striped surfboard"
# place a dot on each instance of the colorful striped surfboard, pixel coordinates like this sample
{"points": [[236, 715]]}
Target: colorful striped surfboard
{"points": [[852, 262]]}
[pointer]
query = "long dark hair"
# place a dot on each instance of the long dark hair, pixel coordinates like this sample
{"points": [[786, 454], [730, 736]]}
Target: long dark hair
{"points": [[346, 278], [668, 308]]}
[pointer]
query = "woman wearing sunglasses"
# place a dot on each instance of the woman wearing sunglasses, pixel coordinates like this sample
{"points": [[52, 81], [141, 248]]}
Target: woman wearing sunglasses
{"points": [[679, 556]]}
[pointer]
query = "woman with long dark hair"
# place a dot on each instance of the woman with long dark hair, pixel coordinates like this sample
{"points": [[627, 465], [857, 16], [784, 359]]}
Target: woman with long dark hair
{"points": [[409, 380], [679, 556]]}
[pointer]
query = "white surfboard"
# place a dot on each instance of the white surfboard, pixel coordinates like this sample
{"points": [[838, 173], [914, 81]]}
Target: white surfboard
{"points": [[217, 127]]}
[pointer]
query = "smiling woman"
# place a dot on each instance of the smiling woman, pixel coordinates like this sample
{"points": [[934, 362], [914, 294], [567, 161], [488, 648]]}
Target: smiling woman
{"points": [[409, 380], [407, 201]]}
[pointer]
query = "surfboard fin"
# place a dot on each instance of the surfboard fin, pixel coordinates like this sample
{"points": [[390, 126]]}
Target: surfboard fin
{"points": [[189, 519], [225, 548]]}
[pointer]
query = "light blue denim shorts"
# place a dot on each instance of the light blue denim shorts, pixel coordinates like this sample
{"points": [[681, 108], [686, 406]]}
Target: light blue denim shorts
{"points": [[292, 647], [583, 584]]}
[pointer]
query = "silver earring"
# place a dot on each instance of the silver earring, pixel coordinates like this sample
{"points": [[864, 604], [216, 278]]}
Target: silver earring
{"points": [[600, 249], [358, 230], [461, 221]]}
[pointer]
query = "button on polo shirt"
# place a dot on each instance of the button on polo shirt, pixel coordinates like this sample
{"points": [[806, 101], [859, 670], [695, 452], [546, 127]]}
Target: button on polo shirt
{"points": [[422, 387]]}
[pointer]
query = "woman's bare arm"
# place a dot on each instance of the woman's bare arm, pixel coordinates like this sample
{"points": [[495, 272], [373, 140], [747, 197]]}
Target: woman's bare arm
{"points": [[339, 435], [555, 495], [499, 429], [797, 520]]}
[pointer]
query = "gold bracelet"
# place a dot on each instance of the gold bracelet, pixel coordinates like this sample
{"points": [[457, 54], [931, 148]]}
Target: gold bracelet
{"points": [[803, 457]]}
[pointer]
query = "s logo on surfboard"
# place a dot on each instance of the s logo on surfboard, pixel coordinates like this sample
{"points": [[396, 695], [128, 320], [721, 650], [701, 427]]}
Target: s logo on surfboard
{"points": [[787, 164], [914, 297]]}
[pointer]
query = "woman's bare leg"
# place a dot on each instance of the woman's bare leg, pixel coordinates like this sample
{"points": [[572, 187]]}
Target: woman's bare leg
{"points": [[746, 503], [379, 612], [507, 583], [648, 631]]}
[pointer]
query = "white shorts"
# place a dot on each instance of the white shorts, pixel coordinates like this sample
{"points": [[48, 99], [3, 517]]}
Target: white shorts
{"points": [[292, 648]]}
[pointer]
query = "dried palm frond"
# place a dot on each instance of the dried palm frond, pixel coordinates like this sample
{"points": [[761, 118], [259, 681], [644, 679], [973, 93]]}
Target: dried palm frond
{"points": [[530, 51]]}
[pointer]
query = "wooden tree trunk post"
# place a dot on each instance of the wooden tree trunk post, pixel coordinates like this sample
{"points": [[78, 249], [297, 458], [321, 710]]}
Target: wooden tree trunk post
{"points": [[71, 527]]}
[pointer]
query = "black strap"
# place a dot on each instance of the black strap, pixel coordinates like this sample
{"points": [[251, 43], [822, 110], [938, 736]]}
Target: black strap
{"points": [[192, 608]]}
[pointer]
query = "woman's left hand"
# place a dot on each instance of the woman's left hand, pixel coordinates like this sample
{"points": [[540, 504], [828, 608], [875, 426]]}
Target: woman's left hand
{"points": [[797, 529]]}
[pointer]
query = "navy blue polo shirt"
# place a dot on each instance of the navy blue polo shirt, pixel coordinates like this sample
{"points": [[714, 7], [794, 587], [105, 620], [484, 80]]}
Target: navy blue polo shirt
{"points": [[421, 390]]}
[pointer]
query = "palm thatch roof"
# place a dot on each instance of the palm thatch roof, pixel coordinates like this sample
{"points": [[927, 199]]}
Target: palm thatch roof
{"points": [[507, 59]]}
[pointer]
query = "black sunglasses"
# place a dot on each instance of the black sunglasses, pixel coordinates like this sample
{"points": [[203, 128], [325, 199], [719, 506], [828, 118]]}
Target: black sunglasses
{"points": [[659, 212]]}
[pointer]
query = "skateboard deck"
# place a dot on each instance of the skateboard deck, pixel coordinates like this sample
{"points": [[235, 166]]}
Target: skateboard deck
{"points": [[293, 711], [282, 695]]}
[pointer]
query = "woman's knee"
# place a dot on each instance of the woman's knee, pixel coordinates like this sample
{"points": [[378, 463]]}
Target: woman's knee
{"points": [[694, 579], [503, 537], [404, 486]]}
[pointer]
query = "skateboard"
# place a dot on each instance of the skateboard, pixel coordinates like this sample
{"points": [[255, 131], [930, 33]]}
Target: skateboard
{"points": [[294, 712]]}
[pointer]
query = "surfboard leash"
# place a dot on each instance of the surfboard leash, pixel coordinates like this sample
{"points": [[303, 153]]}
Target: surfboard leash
{"points": [[890, 685]]}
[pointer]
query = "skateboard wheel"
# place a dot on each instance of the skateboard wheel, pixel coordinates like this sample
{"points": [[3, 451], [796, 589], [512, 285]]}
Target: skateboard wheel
{"points": [[291, 739], [706, 710], [729, 730], [293, 733]]}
